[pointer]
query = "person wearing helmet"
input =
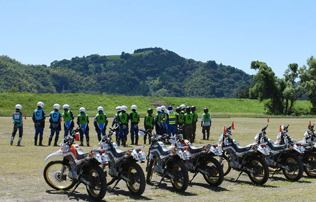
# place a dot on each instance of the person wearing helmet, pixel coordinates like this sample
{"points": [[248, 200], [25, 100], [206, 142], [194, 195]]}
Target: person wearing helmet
{"points": [[164, 129], [195, 119], [188, 120], [83, 123], [183, 108], [134, 124], [171, 122], [179, 121], [115, 123], [123, 119], [100, 122], [149, 123], [39, 122], [68, 118], [55, 127], [206, 122], [17, 117], [158, 121]]}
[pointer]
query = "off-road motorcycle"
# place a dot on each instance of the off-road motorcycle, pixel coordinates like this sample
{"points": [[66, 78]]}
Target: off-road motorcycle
{"points": [[123, 165], [282, 157], [202, 160], [167, 162], [307, 155], [249, 159], [77, 167]]}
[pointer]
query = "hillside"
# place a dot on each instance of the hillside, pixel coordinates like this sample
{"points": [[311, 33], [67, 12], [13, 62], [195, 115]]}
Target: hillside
{"points": [[146, 72]]}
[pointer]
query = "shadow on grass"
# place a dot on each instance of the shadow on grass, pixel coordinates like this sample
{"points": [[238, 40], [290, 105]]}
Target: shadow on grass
{"points": [[75, 196], [283, 179], [117, 191], [233, 180], [170, 188], [207, 186]]}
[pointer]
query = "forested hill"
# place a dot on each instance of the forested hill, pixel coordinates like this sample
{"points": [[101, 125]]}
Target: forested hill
{"points": [[147, 72]]}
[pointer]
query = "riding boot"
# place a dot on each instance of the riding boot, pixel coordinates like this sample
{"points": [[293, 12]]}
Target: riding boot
{"points": [[203, 135], [118, 141], [49, 141], [19, 142], [88, 145], [35, 140], [136, 143], [208, 135], [40, 141], [11, 142], [81, 142], [55, 144], [132, 141]]}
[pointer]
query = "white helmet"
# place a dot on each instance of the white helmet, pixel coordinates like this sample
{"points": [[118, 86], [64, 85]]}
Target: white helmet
{"points": [[124, 108], [118, 108], [158, 109], [163, 108], [40, 104], [66, 106], [134, 107], [182, 106], [100, 108], [18, 106], [82, 109], [56, 106]]}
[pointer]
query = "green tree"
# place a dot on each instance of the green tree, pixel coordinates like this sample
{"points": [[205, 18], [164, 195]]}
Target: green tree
{"points": [[308, 80]]}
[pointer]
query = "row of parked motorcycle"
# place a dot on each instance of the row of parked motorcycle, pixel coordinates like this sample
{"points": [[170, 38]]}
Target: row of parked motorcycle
{"points": [[108, 164]]}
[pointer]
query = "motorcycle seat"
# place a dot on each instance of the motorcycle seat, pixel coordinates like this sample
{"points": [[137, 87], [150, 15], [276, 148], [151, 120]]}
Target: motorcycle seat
{"points": [[276, 147], [194, 149], [241, 149], [164, 150], [118, 152], [80, 153]]}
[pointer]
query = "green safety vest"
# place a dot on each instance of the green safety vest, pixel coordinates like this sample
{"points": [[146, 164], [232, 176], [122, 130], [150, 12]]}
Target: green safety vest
{"points": [[66, 116], [149, 120], [83, 119], [206, 117], [194, 116], [188, 118], [159, 118], [180, 118], [163, 115], [100, 118], [135, 117], [123, 118]]}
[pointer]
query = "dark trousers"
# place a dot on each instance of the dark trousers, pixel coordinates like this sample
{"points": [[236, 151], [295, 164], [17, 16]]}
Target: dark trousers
{"points": [[188, 131], [194, 130], [134, 130], [52, 132], [39, 131], [99, 134], [207, 129]]}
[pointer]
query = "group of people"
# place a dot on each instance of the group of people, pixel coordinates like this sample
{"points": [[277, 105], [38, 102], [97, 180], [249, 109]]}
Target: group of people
{"points": [[166, 121]]}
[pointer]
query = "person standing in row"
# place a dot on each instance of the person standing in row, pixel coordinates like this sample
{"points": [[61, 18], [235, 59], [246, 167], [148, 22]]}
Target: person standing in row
{"points": [[164, 129], [149, 124], [17, 124], [206, 122], [115, 123], [55, 126], [83, 123], [179, 121], [188, 120], [195, 119], [158, 121], [171, 122], [100, 122], [134, 124], [39, 123], [123, 119], [68, 120]]}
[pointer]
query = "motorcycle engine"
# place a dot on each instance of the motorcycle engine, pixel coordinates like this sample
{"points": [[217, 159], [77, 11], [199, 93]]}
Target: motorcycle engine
{"points": [[113, 172], [158, 169]]}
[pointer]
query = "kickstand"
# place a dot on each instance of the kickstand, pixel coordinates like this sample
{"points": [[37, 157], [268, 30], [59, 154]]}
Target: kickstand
{"points": [[274, 172], [163, 177], [193, 178], [239, 175], [77, 184], [117, 181]]}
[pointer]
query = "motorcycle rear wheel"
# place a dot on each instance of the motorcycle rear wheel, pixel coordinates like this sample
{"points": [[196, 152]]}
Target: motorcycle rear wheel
{"points": [[298, 172], [215, 167], [310, 158], [136, 175], [225, 164], [150, 170], [181, 178], [56, 175], [96, 177], [258, 164]]}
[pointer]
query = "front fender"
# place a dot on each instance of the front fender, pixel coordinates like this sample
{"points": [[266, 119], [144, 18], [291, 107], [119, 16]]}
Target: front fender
{"points": [[56, 153]]}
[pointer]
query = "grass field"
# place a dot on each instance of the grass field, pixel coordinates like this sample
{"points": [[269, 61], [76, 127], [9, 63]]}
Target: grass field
{"points": [[217, 107], [21, 177]]}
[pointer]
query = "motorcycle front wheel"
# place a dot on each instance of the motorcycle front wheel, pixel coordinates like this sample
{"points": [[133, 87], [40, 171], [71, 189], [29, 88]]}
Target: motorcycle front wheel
{"points": [[56, 175], [180, 178], [137, 179], [259, 173], [97, 179], [150, 170], [215, 170], [310, 170], [294, 168]]}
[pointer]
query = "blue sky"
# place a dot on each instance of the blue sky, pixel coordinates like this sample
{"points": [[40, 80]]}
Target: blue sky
{"points": [[231, 32]]}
